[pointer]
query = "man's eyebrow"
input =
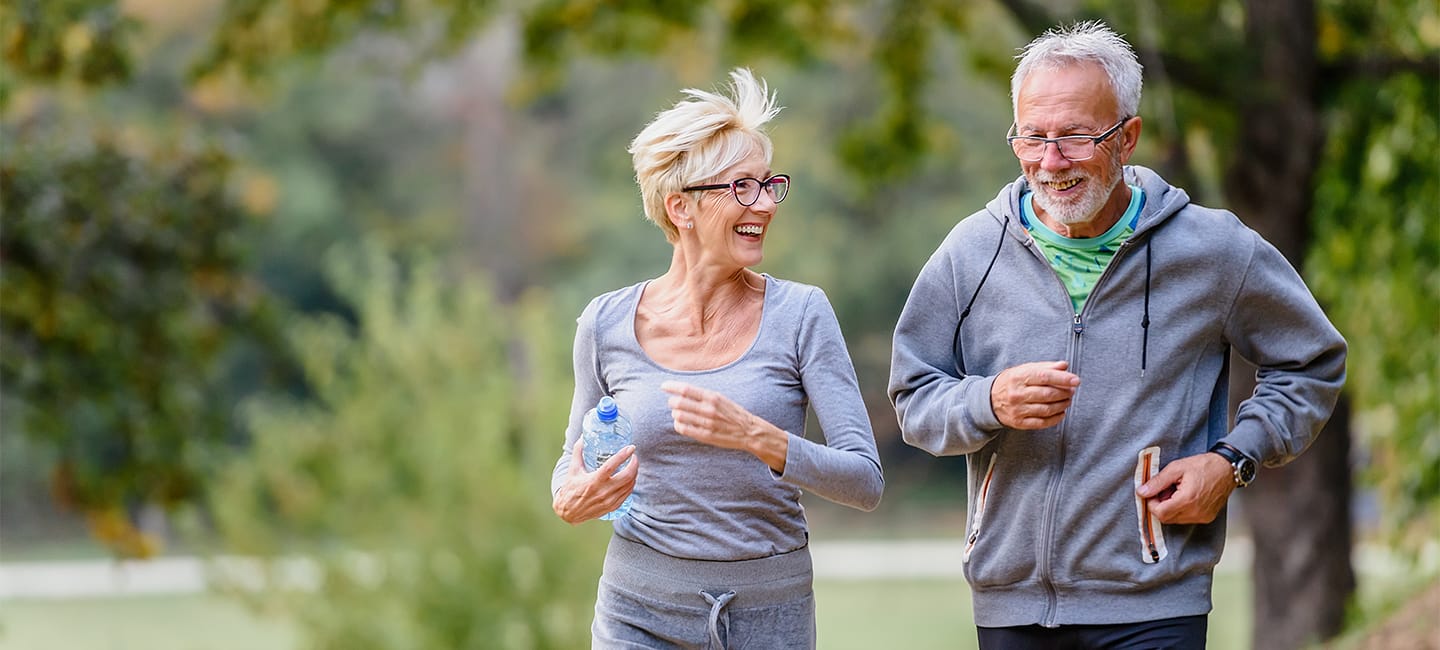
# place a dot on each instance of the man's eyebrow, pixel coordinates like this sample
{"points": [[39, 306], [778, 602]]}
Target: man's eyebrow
{"points": [[1068, 128]]}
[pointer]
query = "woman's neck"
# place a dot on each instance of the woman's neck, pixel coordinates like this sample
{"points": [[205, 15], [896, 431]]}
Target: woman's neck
{"points": [[698, 294]]}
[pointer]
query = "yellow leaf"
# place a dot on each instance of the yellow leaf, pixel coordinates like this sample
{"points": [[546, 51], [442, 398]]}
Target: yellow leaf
{"points": [[260, 193], [77, 40]]}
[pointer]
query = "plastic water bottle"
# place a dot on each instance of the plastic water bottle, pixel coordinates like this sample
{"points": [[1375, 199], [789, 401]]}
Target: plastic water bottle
{"points": [[607, 431]]}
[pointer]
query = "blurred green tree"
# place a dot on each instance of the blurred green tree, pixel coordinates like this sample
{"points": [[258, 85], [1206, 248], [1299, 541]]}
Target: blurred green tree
{"points": [[150, 226], [124, 295], [1377, 258], [412, 478]]}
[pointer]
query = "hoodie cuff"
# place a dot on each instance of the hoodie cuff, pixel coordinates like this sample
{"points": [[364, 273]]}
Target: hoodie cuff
{"points": [[1250, 440], [978, 407]]}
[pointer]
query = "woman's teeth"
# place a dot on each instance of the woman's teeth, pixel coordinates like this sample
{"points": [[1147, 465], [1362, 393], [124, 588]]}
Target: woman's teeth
{"points": [[750, 229]]}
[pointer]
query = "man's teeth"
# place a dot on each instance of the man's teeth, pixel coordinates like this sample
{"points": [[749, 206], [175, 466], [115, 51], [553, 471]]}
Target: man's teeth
{"points": [[750, 229], [1063, 185]]}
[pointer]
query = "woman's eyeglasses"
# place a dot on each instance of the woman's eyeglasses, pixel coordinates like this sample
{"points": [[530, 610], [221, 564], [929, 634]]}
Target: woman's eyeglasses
{"points": [[747, 190]]}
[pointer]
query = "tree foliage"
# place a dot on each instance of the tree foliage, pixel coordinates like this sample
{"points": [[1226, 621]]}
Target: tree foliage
{"points": [[1377, 263], [415, 477], [124, 292], [85, 40]]}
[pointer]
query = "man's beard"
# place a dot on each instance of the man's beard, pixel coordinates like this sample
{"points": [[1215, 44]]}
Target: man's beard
{"points": [[1079, 209]]}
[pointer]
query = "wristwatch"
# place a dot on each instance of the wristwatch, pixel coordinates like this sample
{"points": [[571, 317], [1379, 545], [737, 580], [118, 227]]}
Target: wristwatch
{"points": [[1244, 465]]}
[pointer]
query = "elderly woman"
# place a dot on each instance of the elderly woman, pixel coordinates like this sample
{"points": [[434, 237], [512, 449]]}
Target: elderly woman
{"points": [[715, 364]]}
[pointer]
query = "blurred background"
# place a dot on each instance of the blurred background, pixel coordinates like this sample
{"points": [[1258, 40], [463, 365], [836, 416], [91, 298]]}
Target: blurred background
{"points": [[289, 286]]}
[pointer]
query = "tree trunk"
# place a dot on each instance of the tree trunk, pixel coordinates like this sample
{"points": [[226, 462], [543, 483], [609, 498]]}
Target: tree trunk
{"points": [[1299, 521], [498, 231], [1298, 515]]}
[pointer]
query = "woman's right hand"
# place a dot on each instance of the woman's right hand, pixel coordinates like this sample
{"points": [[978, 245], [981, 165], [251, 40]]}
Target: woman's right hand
{"points": [[587, 495]]}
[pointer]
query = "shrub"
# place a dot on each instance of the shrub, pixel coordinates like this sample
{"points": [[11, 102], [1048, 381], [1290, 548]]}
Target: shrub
{"points": [[415, 478]]}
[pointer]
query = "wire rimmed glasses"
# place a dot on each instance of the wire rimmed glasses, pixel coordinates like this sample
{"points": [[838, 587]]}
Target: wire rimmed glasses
{"points": [[747, 190], [1075, 148]]}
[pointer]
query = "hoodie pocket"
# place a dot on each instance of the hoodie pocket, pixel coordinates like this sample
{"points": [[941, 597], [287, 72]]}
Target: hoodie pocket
{"points": [[1152, 535], [979, 517]]}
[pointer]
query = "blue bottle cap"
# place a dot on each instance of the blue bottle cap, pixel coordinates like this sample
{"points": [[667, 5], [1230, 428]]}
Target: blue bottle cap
{"points": [[606, 410]]}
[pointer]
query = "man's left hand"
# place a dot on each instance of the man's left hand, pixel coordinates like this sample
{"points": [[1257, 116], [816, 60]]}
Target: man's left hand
{"points": [[1190, 490]]}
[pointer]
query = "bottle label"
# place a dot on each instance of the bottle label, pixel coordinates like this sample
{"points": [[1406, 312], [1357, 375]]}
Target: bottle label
{"points": [[601, 457]]}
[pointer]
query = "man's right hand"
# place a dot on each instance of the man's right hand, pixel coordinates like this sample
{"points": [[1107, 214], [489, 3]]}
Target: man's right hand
{"points": [[1033, 395]]}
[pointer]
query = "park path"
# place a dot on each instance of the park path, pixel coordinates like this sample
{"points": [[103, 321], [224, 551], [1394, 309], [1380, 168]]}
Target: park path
{"points": [[834, 560]]}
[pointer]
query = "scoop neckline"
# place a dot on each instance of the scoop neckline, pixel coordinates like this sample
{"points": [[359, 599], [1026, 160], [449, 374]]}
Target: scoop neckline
{"points": [[759, 331]]}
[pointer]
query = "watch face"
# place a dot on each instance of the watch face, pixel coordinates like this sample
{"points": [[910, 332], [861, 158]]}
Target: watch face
{"points": [[1245, 471]]}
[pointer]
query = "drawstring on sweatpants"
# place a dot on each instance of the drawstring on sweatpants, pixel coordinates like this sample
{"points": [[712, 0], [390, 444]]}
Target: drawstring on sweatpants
{"points": [[718, 603]]}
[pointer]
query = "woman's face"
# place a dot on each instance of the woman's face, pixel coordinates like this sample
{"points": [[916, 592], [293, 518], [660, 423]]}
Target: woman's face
{"points": [[727, 233]]}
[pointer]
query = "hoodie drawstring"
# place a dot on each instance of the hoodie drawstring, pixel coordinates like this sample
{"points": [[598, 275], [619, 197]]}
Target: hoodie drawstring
{"points": [[965, 313], [1145, 321], [955, 343]]}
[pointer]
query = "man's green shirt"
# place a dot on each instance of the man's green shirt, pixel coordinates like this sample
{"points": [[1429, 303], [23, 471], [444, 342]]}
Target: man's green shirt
{"points": [[1079, 262]]}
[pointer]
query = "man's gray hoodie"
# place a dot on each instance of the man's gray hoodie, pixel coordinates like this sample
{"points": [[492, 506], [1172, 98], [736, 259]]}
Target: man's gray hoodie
{"points": [[1055, 533]]}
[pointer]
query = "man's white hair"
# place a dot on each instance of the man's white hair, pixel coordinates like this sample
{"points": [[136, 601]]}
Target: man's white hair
{"points": [[1086, 42], [698, 138]]}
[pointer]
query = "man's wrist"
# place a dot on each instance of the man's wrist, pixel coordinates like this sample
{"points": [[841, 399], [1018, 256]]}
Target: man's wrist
{"points": [[980, 403], [1243, 468]]}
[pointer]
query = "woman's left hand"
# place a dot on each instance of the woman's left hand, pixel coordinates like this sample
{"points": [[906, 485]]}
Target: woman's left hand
{"points": [[714, 419]]}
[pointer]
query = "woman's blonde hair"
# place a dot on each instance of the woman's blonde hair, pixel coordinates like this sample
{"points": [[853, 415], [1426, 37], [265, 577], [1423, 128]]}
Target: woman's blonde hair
{"points": [[698, 138]]}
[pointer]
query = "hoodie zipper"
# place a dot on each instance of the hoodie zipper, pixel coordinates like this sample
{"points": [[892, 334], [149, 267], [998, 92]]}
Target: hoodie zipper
{"points": [[1052, 491], [981, 498], [1052, 487], [1077, 328], [1148, 471], [1077, 331], [1152, 532]]}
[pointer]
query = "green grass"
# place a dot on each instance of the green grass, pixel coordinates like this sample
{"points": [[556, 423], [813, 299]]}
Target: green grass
{"points": [[198, 622], [911, 614], [934, 614], [65, 548]]}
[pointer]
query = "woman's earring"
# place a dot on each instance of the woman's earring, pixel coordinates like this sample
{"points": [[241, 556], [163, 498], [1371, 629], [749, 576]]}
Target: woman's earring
{"points": [[689, 225]]}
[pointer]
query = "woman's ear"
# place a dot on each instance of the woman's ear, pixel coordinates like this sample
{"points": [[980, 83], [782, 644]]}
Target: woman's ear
{"points": [[677, 209]]}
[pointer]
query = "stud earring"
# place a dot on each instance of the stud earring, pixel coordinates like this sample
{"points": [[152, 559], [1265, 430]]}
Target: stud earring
{"points": [[689, 225]]}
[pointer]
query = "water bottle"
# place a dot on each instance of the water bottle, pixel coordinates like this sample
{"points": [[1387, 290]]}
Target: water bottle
{"points": [[607, 431]]}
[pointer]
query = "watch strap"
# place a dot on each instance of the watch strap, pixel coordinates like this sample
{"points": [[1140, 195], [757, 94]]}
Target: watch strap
{"points": [[1228, 452], [1238, 460]]}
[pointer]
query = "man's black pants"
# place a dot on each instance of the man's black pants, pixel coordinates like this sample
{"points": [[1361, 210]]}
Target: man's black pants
{"points": [[1183, 633]]}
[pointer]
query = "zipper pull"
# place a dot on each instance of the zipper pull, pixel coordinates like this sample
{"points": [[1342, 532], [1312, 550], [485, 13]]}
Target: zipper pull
{"points": [[1078, 327]]}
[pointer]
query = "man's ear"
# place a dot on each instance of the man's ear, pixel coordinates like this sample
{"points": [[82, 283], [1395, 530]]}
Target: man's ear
{"points": [[1130, 134]]}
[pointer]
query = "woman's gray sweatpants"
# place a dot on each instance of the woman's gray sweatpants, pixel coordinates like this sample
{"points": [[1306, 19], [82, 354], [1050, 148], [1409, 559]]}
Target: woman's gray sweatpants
{"points": [[648, 599]]}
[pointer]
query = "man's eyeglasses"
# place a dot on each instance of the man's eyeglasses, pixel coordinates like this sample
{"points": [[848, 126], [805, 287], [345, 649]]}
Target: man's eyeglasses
{"points": [[747, 190], [1075, 148]]}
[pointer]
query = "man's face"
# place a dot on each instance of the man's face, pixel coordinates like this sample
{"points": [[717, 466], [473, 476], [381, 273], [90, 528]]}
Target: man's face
{"points": [[1075, 100]]}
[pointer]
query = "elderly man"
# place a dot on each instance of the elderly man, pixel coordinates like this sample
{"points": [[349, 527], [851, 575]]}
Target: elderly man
{"points": [[1072, 340]]}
